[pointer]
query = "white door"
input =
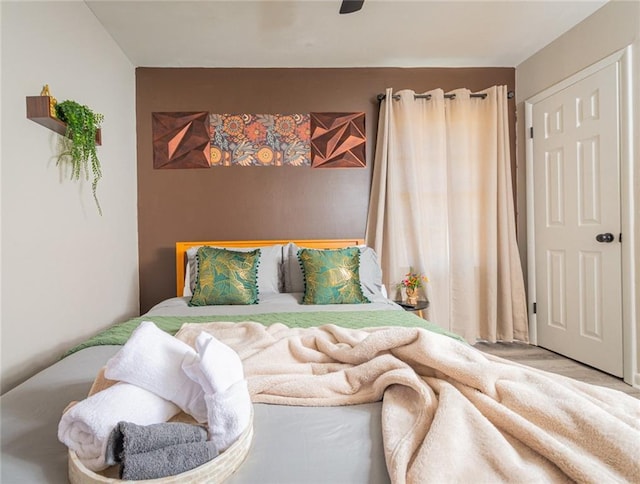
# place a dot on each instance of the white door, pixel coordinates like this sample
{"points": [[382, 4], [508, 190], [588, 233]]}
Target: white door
{"points": [[576, 175]]}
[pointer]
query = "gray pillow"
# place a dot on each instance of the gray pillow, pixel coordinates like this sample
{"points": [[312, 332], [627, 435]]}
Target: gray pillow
{"points": [[369, 271], [269, 268]]}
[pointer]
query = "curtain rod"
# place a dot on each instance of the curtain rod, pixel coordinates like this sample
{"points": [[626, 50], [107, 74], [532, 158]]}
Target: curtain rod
{"points": [[380, 97]]}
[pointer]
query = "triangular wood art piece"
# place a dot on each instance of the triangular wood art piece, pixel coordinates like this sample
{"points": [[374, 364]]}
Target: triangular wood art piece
{"points": [[181, 140], [338, 140]]}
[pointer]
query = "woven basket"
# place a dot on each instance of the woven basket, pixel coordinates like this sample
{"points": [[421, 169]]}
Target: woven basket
{"points": [[214, 471]]}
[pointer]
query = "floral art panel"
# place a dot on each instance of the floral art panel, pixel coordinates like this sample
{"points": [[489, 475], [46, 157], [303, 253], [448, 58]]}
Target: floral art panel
{"points": [[338, 140], [260, 140], [181, 140]]}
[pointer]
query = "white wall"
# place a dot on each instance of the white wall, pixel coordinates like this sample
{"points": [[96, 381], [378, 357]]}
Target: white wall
{"points": [[66, 271], [612, 28]]}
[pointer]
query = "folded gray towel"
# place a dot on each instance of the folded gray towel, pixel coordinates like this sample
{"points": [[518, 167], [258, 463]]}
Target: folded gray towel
{"points": [[129, 438], [166, 461]]}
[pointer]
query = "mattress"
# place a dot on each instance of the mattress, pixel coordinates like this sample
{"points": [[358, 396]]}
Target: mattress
{"points": [[291, 444]]}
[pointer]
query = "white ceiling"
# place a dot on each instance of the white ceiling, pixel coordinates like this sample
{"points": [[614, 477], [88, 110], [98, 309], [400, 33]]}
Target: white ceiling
{"points": [[311, 33]]}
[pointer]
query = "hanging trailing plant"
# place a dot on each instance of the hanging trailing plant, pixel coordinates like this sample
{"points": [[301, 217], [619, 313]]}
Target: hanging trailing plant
{"points": [[79, 145]]}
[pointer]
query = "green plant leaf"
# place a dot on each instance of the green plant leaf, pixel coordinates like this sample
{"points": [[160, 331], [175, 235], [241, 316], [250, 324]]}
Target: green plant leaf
{"points": [[79, 146]]}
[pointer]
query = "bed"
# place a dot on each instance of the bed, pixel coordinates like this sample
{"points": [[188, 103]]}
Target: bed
{"points": [[341, 443]]}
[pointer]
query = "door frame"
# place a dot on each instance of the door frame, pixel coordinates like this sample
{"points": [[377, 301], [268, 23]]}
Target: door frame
{"points": [[623, 58]]}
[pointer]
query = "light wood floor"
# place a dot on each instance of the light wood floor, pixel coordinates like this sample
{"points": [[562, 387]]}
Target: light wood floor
{"points": [[549, 361]]}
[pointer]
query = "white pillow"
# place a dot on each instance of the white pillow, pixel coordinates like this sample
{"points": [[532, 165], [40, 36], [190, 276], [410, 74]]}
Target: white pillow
{"points": [[292, 272], [369, 271], [186, 290], [269, 268]]}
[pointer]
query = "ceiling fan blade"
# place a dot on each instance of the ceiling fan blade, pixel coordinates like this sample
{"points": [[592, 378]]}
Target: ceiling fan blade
{"points": [[350, 6]]}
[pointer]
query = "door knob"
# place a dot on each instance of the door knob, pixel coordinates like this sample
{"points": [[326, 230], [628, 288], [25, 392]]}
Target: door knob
{"points": [[608, 237]]}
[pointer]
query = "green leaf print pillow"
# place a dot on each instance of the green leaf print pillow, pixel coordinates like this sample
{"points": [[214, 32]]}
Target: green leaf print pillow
{"points": [[331, 276], [226, 277]]}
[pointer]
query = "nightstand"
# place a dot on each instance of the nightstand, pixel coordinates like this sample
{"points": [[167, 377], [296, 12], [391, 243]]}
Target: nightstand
{"points": [[414, 309]]}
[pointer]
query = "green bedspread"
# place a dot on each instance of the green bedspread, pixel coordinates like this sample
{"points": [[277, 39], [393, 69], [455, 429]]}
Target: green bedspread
{"points": [[119, 333]]}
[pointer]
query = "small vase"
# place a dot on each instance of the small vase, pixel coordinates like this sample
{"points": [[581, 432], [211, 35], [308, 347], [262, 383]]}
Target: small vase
{"points": [[412, 296]]}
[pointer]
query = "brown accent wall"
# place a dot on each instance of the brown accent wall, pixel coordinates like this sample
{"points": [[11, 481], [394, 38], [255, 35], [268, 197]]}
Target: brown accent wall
{"points": [[229, 203]]}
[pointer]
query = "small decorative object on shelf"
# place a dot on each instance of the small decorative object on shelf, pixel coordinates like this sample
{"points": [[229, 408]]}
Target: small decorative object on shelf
{"points": [[52, 100], [411, 283]]}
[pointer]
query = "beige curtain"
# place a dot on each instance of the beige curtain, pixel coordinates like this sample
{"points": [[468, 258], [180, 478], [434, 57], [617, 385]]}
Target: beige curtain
{"points": [[442, 203]]}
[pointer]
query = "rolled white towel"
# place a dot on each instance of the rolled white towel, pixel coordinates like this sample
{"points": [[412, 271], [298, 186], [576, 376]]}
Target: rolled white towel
{"points": [[215, 367], [86, 426], [218, 370], [152, 359], [229, 415]]}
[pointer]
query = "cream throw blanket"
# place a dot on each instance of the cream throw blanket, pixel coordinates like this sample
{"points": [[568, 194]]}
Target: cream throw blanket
{"points": [[450, 413]]}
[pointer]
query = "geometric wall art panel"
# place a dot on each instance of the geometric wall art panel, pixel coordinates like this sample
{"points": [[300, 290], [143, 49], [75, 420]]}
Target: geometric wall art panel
{"points": [[260, 140], [338, 140], [181, 140]]}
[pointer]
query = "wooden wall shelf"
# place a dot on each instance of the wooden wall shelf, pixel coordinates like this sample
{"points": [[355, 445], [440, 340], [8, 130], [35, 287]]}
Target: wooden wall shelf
{"points": [[38, 111]]}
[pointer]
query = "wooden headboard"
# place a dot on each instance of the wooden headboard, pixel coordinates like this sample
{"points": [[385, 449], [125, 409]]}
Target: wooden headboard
{"points": [[182, 247]]}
